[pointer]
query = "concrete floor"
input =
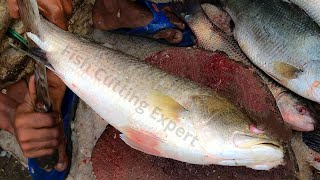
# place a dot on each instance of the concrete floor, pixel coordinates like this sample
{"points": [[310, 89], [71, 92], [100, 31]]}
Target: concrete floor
{"points": [[10, 167]]}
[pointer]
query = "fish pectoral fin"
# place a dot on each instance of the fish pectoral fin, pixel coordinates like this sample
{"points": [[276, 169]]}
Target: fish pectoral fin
{"points": [[169, 107], [286, 70], [142, 141]]}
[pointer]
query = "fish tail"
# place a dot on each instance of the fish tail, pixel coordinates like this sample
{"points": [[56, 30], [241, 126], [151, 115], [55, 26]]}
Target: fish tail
{"points": [[186, 8], [312, 139], [31, 19], [34, 53], [30, 16]]}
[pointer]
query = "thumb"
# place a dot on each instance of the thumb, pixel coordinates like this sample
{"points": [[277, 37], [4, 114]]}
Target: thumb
{"points": [[63, 161], [32, 90], [13, 9], [29, 100]]}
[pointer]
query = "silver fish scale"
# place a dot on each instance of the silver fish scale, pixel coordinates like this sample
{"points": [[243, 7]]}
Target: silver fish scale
{"points": [[311, 7], [276, 35]]}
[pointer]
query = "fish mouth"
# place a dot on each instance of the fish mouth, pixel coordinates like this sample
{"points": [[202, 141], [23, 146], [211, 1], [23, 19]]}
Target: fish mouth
{"points": [[245, 141]]}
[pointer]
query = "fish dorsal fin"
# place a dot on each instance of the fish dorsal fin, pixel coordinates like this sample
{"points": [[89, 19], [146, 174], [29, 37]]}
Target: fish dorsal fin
{"points": [[286, 70], [214, 104], [169, 107], [215, 107]]}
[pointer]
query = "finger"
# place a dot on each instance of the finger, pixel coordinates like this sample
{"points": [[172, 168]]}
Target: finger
{"points": [[175, 20], [166, 9], [53, 80], [59, 20], [27, 105], [18, 91], [39, 153], [171, 35], [56, 90], [63, 161], [36, 146], [54, 12], [38, 135], [37, 120], [68, 7], [13, 9], [31, 96]]}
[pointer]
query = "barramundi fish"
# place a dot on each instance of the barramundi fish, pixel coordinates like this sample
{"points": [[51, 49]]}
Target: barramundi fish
{"points": [[156, 113], [296, 111], [282, 40]]}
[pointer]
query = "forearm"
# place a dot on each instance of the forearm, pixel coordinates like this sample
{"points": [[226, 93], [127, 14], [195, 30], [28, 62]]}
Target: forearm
{"points": [[8, 104], [7, 113]]}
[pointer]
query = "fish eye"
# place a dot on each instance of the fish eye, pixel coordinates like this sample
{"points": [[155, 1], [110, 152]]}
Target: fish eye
{"points": [[302, 110]]}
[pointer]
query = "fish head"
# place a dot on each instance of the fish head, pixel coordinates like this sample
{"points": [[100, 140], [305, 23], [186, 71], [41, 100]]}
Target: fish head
{"points": [[247, 149], [307, 79], [225, 134], [263, 152], [297, 112]]}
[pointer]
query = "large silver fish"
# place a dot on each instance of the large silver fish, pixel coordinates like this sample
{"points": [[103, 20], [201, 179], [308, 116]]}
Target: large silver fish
{"points": [[281, 40], [311, 7], [294, 110], [157, 113]]}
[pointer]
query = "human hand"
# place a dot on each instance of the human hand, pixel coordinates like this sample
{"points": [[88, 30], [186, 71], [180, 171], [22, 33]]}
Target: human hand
{"points": [[41, 134], [105, 16], [56, 11], [8, 108]]}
